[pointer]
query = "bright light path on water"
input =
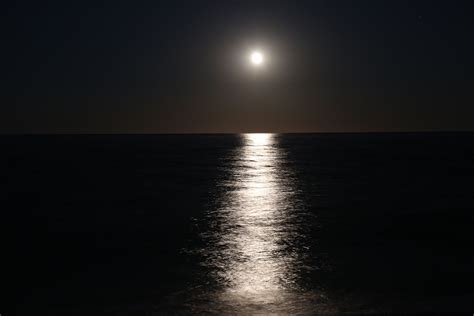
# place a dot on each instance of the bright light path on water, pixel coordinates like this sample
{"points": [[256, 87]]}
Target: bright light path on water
{"points": [[253, 246], [258, 139]]}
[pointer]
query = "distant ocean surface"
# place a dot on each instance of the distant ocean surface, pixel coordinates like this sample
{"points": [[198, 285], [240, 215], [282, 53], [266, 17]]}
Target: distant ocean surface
{"points": [[239, 224]]}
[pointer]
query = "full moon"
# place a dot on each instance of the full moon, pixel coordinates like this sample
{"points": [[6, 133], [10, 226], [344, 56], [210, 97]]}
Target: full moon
{"points": [[256, 58]]}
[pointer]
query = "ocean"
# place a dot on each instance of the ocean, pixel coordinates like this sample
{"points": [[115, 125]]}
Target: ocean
{"points": [[239, 224]]}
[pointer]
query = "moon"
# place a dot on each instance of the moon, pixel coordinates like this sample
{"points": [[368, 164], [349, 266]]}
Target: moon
{"points": [[256, 58]]}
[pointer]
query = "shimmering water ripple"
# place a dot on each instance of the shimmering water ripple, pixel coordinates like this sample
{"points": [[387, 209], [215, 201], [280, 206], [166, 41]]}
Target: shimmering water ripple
{"points": [[257, 249]]}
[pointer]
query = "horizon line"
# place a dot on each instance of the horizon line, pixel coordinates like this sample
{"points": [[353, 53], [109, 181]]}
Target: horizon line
{"points": [[231, 133]]}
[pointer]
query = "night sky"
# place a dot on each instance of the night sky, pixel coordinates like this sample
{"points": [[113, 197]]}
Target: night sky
{"points": [[179, 67]]}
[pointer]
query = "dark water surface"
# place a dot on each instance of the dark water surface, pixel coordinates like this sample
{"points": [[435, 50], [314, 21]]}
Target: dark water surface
{"points": [[254, 223]]}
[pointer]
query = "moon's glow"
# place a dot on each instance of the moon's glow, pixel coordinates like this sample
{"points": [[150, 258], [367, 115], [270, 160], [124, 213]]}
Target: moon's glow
{"points": [[256, 58]]}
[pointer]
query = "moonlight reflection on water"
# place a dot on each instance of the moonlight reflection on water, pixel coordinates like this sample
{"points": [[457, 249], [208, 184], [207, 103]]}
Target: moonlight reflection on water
{"points": [[257, 248]]}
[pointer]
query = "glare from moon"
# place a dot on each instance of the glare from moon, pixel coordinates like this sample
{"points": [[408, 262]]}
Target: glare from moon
{"points": [[256, 58]]}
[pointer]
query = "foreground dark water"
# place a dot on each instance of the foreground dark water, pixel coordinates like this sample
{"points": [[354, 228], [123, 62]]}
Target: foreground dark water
{"points": [[310, 223]]}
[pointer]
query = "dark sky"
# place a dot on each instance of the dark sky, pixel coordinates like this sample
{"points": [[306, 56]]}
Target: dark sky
{"points": [[176, 66]]}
